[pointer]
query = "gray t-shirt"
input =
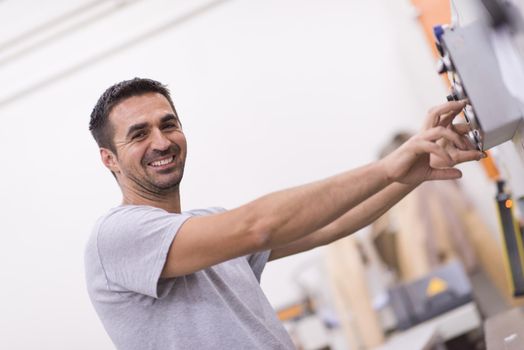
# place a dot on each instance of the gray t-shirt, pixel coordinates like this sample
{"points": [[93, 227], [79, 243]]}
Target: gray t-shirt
{"points": [[221, 307]]}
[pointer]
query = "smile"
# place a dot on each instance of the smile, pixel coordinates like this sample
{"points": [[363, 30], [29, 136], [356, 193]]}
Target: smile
{"points": [[162, 162]]}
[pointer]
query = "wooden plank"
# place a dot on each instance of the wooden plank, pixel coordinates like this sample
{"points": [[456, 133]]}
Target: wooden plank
{"points": [[345, 266], [411, 238]]}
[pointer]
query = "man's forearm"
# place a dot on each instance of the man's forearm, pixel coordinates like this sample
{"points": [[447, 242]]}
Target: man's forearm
{"points": [[355, 219], [371, 209], [289, 215]]}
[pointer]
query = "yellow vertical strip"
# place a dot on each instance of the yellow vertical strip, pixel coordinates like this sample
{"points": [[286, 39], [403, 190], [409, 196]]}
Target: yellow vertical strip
{"points": [[507, 266]]}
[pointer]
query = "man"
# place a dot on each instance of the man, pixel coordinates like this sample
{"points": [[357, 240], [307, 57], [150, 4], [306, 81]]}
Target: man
{"points": [[161, 278]]}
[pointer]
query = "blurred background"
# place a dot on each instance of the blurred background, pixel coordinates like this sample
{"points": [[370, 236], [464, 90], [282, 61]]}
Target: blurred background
{"points": [[271, 94]]}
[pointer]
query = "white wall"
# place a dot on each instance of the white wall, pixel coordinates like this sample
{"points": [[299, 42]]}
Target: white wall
{"points": [[271, 94]]}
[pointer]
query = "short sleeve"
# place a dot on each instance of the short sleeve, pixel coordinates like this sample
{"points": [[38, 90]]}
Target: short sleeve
{"points": [[133, 243], [258, 261]]}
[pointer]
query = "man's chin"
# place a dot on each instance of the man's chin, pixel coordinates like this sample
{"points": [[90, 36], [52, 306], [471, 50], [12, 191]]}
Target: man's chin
{"points": [[167, 184]]}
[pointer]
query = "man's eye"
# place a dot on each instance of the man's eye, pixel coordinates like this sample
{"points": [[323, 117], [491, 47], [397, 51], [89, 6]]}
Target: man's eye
{"points": [[171, 126], [138, 135]]}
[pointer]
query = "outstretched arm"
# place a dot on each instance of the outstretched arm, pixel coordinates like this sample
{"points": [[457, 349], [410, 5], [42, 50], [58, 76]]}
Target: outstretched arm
{"points": [[352, 221], [270, 221], [278, 219], [371, 209]]}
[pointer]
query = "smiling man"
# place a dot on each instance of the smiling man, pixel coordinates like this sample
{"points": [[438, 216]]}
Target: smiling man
{"points": [[163, 278]]}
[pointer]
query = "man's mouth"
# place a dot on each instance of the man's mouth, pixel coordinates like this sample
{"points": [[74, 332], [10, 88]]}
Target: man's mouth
{"points": [[162, 162]]}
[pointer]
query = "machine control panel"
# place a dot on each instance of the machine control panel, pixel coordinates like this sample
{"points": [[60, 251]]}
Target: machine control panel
{"points": [[468, 58]]}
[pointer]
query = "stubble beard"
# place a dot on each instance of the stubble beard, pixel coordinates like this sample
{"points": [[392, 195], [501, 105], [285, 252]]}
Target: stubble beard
{"points": [[152, 188], [160, 188]]}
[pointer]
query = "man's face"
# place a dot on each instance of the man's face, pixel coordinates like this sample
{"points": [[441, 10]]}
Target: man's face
{"points": [[150, 145]]}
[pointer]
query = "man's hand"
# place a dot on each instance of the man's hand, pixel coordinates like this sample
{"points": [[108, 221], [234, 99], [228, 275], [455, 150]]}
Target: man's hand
{"points": [[433, 153]]}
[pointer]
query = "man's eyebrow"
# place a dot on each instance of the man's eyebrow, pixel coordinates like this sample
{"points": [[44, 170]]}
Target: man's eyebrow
{"points": [[135, 127], [169, 117]]}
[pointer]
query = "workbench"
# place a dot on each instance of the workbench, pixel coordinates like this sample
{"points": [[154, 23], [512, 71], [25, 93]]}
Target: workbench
{"points": [[439, 329]]}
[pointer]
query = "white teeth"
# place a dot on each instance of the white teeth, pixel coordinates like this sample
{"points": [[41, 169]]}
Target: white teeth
{"points": [[163, 161]]}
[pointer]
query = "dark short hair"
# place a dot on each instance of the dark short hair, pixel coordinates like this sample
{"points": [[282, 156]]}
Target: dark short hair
{"points": [[99, 124]]}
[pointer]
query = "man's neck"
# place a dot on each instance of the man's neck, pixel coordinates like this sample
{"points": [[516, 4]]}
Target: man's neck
{"points": [[169, 202]]}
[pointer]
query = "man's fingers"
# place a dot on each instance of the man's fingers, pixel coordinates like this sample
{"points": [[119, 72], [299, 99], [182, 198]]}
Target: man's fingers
{"points": [[453, 106], [423, 146], [466, 156], [444, 113], [461, 128], [447, 118], [441, 132], [448, 107]]}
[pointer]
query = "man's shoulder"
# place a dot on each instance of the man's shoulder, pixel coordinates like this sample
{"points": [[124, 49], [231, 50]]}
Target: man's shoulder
{"points": [[139, 210], [119, 219], [125, 217], [205, 211], [126, 214]]}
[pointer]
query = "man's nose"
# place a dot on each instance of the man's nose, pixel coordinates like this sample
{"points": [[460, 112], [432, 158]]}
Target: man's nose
{"points": [[159, 141]]}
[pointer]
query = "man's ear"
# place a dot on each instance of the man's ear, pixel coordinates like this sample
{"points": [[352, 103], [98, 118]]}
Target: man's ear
{"points": [[109, 159]]}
